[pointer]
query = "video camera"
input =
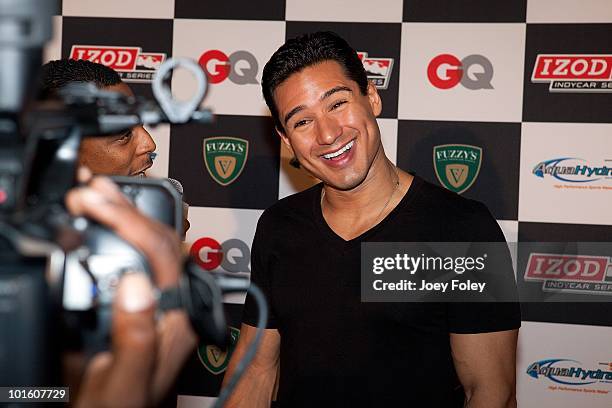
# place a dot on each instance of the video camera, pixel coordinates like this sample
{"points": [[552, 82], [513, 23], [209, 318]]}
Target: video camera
{"points": [[39, 144]]}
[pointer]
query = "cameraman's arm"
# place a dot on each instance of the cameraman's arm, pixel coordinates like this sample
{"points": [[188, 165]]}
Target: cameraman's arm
{"points": [[123, 377], [172, 338]]}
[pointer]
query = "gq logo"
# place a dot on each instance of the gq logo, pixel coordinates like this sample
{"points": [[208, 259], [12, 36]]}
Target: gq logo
{"points": [[445, 71], [240, 67], [232, 255]]}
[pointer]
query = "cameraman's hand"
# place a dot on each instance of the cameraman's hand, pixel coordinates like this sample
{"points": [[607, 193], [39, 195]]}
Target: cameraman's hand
{"points": [[146, 355], [102, 201]]}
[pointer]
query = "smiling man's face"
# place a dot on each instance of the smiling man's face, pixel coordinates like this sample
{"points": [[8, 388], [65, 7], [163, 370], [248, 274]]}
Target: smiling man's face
{"points": [[126, 154], [329, 125]]}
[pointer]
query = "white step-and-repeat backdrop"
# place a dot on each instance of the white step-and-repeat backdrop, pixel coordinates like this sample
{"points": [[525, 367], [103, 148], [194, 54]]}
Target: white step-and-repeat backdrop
{"points": [[521, 87]]}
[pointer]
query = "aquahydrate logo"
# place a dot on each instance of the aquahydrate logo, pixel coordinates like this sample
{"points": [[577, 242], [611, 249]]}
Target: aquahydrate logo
{"points": [[571, 170], [377, 69], [574, 72], [568, 372], [131, 63]]}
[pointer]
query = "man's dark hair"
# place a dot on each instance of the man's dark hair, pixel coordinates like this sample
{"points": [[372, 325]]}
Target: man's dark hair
{"points": [[56, 74], [304, 51]]}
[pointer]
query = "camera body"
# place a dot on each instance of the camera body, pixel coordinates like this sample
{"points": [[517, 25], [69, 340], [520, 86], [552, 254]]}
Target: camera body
{"points": [[26, 319], [75, 306], [58, 275], [93, 270]]}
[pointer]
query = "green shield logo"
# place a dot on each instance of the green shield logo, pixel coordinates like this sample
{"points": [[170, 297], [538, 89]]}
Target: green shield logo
{"points": [[457, 165], [225, 158], [215, 359]]}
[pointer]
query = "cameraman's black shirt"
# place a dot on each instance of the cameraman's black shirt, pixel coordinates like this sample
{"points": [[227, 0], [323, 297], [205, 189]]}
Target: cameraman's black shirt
{"points": [[336, 350]]}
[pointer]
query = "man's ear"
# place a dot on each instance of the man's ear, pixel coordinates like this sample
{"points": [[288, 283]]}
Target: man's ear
{"points": [[285, 139], [294, 161], [374, 98]]}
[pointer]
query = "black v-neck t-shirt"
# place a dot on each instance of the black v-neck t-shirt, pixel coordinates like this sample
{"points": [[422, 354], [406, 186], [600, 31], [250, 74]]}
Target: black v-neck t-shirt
{"points": [[338, 351]]}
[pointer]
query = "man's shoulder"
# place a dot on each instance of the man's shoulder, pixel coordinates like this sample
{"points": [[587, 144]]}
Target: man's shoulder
{"points": [[461, 218], [435, 198], [298, 206]]}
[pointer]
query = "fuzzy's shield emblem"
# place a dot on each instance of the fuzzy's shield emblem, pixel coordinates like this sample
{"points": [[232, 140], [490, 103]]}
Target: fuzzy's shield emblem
{"points": [[215, 359], [457, 165], [225, 158]]}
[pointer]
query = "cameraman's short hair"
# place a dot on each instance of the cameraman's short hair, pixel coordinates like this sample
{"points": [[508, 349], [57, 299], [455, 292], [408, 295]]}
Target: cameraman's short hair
{"points": [[56, 74], [304, 51]]}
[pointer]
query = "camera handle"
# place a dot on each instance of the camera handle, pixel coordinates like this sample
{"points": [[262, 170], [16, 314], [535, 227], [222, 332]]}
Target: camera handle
{"points": [[181, 111]]}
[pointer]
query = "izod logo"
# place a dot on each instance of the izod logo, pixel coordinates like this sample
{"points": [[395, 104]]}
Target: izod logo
{"points": [[574, 72], [131, 63], [586, 274]]}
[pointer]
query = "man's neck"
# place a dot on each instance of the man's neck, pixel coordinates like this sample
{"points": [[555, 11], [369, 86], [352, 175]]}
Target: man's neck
{"points": [[379, 184]]}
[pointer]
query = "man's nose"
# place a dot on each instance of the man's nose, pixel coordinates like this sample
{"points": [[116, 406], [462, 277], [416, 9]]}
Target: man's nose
{"points": [[146, 144], [328, 130]]}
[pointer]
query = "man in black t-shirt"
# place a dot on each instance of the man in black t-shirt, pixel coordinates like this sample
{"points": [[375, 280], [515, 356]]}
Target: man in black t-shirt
{"points": [[323, 346]]}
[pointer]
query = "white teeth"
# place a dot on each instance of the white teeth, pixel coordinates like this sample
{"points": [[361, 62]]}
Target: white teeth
{"points": [[346, 148]]}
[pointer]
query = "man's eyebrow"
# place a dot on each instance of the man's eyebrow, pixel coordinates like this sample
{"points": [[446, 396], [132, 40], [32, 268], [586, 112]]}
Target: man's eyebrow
{"points": [[334, 90], [326, 95], [293, 112]]}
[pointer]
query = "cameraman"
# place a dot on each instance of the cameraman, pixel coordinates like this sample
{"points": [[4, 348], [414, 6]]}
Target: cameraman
{"points": [[126, 154], [146, 354]]}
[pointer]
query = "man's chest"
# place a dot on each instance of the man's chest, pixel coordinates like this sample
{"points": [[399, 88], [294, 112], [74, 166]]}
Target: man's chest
{"points": [[323, 288]]}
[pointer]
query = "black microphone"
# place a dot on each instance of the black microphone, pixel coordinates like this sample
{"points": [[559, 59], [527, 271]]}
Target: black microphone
{"points": [[179, 188], [177, 185]]}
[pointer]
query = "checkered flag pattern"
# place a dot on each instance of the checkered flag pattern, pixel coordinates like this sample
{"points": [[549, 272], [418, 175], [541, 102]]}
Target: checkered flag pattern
{"points": [[508, 103]]}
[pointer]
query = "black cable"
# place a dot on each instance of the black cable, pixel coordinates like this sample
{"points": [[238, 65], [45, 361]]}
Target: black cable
{"points": [[238, 285]]}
